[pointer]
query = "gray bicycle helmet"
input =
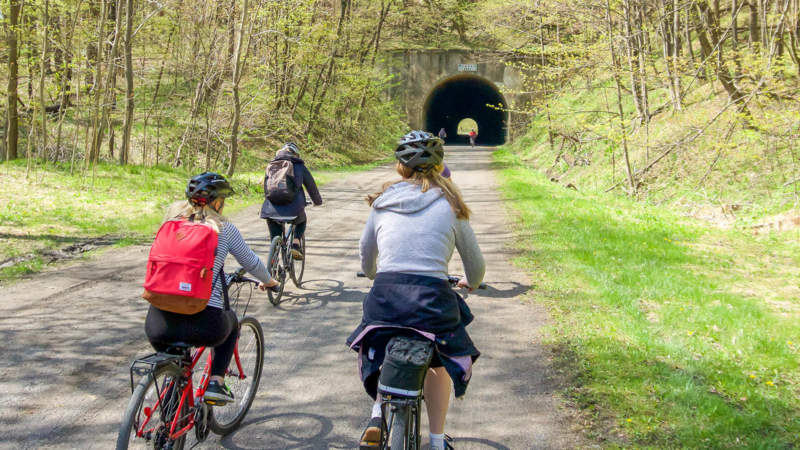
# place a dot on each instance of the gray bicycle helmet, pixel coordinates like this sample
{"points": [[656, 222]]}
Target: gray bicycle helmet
{"points": [[292, 147], [419, 150]]}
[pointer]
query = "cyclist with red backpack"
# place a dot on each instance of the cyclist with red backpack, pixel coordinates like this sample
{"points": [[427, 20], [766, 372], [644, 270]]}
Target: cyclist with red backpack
{"points": [[284, 198], [185, 282]]}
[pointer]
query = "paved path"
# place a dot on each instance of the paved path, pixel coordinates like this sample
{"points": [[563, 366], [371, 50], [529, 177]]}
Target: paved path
{"points": [[70, 333]]}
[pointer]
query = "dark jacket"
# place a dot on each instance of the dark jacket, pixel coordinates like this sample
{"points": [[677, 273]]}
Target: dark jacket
{"points": [[302, 177], [420, 303]]}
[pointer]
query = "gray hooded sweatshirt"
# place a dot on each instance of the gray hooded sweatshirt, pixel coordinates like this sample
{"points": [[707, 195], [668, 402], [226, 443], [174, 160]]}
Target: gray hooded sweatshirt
{"points": [[414, 232]]}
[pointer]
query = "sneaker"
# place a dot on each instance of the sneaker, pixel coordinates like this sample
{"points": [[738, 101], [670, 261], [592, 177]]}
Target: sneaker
{"points": [[371, 438], [218, 394], [297, 252]]}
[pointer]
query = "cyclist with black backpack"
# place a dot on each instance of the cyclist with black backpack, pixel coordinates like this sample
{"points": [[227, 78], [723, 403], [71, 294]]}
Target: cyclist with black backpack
{"points": [[185, 283], [284, 198]]}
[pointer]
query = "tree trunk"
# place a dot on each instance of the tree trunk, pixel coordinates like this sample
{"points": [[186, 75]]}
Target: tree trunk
{"points": [[129, 100], [676, 45], [12, 138], [755, 29], [709, 24], [382, 18], [45, 24], [621, 117], [237, 67], [93, 148], [108, 87], [155, 95], [316, 103], [633, 60]]}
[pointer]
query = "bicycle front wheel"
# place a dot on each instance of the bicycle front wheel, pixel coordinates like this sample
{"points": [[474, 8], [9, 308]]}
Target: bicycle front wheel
{"points": [[299, 266], [277, 269], [242, 376], [146, 421]]}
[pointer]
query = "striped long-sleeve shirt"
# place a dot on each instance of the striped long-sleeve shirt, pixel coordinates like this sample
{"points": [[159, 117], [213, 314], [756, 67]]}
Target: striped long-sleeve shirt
{"points": [[231, 241]]}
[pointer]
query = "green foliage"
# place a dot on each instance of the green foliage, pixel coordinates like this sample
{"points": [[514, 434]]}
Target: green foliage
{"points": [[676, 334]]}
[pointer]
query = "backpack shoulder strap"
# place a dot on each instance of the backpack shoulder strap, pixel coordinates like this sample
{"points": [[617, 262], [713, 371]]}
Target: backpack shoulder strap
{"points": [[221, 277]]}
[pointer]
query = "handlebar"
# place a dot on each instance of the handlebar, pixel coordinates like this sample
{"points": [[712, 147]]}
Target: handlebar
{"points": [[240, 277], [452, 279]]}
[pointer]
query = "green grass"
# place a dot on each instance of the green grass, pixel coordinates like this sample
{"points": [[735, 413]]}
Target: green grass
{"points": [[675, 334], [52, 209]]}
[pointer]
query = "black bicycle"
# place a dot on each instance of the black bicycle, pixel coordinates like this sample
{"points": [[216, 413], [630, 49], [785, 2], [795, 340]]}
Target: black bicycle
{"points": [[408, 357], [282, 263]]}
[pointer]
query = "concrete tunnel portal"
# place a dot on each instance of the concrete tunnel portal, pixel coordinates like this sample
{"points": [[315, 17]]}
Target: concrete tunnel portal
{"points": [[467, 96]]}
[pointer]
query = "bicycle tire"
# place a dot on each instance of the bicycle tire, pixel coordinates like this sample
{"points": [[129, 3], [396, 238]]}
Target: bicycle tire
{"points": [[276, 269], [251, 353], [401, 428], [130, 420], [297, 277]]}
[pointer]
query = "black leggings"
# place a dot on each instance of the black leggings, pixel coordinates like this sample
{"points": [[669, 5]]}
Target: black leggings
{"points": [[275, 229], [211, 327]]}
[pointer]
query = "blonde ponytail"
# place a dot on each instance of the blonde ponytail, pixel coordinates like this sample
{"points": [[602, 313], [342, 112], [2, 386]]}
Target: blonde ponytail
{"points": [[184, 209], [431, 177]]}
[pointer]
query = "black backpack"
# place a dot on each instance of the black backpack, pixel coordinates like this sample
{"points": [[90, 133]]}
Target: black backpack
{"points": [[280, 187]]}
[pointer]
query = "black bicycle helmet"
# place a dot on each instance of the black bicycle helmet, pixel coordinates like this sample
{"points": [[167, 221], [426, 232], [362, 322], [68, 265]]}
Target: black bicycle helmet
{"points": [[419, 150], [206, 187], [292, 147]]}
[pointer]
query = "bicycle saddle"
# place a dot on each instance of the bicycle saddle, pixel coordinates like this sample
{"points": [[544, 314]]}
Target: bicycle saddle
{"points": [[177, 348], [283, 218]]}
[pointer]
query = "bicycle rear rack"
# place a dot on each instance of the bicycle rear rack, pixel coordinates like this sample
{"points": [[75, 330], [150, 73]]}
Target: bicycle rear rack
{"points": [[152, 362]]}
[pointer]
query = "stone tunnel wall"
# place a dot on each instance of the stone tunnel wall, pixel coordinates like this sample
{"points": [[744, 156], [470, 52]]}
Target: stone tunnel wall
{"points": [[420, 71]]}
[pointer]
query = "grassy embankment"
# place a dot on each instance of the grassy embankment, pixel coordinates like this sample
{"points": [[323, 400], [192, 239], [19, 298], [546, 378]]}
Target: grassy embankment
{"points": [[674, 333], [733, 175], [53, 209]]}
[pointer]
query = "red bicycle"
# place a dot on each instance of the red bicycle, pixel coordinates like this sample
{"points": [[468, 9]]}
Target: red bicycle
{"points": [[168, 401]]}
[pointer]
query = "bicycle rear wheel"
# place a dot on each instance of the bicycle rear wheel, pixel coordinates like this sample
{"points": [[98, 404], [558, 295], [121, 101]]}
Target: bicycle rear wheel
{"points": [[243, 383], [401, 429], [145, 414], [277, 269], [299, 266]]}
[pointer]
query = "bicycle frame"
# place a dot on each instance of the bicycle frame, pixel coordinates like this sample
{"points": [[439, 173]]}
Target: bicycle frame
{"points": [[187, 400], [287, 235]]}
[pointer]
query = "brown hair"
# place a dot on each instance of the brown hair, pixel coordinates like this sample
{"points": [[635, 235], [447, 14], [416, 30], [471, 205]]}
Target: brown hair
{"points": [[431, 177]]}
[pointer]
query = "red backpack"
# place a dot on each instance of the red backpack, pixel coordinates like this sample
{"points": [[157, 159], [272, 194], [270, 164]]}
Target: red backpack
{"points": [[180, 268]]}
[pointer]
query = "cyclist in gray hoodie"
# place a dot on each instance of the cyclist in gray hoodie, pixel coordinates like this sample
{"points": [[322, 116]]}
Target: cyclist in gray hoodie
{"points": [[406, 246]]}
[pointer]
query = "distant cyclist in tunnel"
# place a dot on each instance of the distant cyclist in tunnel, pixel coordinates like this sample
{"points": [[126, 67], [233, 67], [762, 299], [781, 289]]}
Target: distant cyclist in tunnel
{"points": [[472, 136]]}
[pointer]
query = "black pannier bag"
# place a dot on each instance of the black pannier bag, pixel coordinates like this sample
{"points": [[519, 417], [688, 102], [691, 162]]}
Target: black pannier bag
{"points": [[404, 366]]}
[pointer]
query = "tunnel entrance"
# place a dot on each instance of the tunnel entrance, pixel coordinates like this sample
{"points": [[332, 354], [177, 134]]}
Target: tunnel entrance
{"points": [[467, 96]]}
